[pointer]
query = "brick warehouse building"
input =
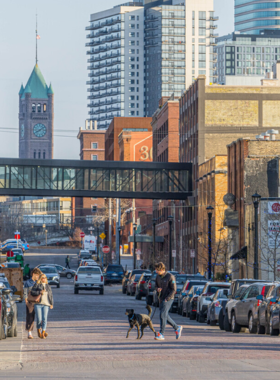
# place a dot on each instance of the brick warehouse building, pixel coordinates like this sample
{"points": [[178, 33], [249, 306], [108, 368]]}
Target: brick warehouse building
{"points": [[165, 125], [211, 117]]}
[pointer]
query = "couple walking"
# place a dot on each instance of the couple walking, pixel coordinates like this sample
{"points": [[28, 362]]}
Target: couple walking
{"points": [[39, 299]]}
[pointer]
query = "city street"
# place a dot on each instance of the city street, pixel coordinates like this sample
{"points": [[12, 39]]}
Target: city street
{"points": [[87, 339]]}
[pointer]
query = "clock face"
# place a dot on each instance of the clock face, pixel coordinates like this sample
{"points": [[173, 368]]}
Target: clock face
{"points": [[39, 130], [22, 131]]}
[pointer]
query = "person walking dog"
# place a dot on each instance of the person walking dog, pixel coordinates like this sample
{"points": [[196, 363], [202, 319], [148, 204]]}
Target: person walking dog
{"points": [[166, 288], [42, 308], [30, 312], [67, 262]]}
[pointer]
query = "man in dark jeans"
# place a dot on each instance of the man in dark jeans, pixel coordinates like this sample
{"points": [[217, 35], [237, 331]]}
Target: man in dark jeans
{"points": [[67, 262], [166, 288]]}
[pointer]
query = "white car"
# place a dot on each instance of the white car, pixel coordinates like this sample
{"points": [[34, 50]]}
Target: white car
{"points": [[204, 299], [89, 278]]}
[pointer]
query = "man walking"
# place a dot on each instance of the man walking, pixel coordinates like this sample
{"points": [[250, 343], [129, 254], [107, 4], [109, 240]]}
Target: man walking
{"points": [[166, 288], [67, 262]]}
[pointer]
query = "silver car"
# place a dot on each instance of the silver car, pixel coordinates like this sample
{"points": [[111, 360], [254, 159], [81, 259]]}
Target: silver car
{"points": [[52, 275], [216, 305]]}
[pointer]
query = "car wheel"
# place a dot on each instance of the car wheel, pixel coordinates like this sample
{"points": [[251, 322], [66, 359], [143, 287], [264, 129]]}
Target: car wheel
{"points": [[221, 320], [58, 285], [272, 331], [11, 331], [15, 330], [208, 321], [69, 276], [252, 327], [76, 291], [267, 327], [127, 293], [260, 328], [184, 314], [201, 318], [101, 291], [192, 316], [235, 327], [227, 325], [138, 297], [196, 317]]}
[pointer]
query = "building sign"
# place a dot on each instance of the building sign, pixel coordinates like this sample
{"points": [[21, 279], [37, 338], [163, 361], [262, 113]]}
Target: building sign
{"points": [[192, 253], [273, 233], [273, 207], [173, 252]]}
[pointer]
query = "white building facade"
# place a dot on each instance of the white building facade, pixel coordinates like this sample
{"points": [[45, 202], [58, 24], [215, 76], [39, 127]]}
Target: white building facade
{"points": [[116, 63]]}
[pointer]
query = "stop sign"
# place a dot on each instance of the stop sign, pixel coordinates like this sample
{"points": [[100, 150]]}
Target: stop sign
{"points": [[106, 249], [82, 234]]}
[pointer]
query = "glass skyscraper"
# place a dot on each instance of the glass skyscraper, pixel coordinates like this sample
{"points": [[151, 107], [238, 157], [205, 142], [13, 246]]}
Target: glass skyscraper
{"points": [[254, 16]]}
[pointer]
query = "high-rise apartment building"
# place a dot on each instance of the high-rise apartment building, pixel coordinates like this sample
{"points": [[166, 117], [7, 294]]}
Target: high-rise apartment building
{"points": [[244, 59], [116, 63], [254, 16], [179, 46]]}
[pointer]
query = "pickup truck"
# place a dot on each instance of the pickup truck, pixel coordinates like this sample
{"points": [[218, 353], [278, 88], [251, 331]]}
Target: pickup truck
{"points": [[89, 278]]}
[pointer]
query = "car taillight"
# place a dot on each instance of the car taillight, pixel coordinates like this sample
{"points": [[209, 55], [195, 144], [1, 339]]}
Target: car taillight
{"points": [[259, 302], [101, 278], [217, 304], [150, 286], [263, 290], [76, 277], [27, 245], [135, 283], [187, 286], [272, 303], [142, 282]]}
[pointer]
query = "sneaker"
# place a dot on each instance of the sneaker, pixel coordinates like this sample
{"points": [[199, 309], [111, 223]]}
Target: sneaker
{"points": [[159, 336], [179, 332]]}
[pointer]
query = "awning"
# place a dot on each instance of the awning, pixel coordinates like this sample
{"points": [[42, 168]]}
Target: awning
{"points": [[145, 239], [242, 254]]}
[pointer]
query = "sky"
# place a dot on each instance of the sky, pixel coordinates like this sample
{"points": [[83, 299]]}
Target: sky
{"points": [[62, 60]]}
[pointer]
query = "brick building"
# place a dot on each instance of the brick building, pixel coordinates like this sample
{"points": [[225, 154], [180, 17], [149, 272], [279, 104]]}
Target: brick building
{"points": [[211, 189], [211, 117], [92, 147], [165, 125], [253, 166]]}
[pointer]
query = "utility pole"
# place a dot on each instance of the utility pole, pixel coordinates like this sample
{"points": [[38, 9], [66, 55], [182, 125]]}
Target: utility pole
{"points": [[181, 236], [117, 229], [110, 230], [174, 233]]}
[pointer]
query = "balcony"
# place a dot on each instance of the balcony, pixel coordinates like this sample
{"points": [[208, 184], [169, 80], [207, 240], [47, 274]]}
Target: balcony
{"points": [[105, 94], [105, 56], [213, 18], [108, 78], [104, 23], [104, 72], [103, 49], [103, 41], [104, 32], [104, 87], [104, 64], [104, 103], [213, 26], [102, 110], [213, 35]]}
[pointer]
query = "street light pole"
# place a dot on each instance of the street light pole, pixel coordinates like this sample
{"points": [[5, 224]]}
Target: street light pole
{"points": [[119, 245], [134, 245], [154, 244], [256, 200], [209, 209], [170, 219]]}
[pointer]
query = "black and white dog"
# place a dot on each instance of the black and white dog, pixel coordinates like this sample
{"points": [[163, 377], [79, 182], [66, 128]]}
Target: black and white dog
{"points": [[139, 320]]}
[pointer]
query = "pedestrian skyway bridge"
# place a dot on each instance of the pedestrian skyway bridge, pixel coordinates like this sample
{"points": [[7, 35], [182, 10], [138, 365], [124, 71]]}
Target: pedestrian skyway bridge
{"points": [[111, 179]]}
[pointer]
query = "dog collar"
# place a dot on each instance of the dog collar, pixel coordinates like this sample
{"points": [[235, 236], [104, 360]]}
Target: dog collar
{"points": [[131, 317]]}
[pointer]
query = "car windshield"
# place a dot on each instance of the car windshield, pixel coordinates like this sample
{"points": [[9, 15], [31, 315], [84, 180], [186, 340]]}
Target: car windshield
{"points": [[115, 268], [13, 265], [89, 270], [212, 289], [181, 279], [48, 270]]}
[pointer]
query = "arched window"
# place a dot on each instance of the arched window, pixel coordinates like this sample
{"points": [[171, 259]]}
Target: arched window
{"points": [[39, 154], [34, 154], [33, 107], [44, 154], [45, 108], [39, 107]]}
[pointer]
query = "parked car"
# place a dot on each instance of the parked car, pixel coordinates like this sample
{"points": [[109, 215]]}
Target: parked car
{"points": [[52, 275], [5, 282], [274, 320], [83, 254], [234, 287], [265, 319], [214, 308], [141, 289], [204, 299], [186, 288], [151, 284], [192, 308], [239, 294], [124, 281], [186, 304], [135, 271], [245, 312], [113, 274], [89, 278], [63, 272], [8, 312], [131, 284]]}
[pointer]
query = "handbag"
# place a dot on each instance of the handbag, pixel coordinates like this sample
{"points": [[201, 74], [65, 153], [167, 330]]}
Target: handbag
{"points": [[33, 299]]}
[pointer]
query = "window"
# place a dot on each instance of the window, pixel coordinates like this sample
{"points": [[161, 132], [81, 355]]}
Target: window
{"points": [[137, 18], [131, 89], [137, 26], [94, 157], [131, 81], [132, 34], [202, 15], [131, 42], [131, 26], [39, 154], [132, 74], [201, 72], [132, 97], [34, 154], [44, 155], [131, 113], [93, 145], [202, 32], [39, 107], [131, 51], [131, 105], [93, 208], [45, 108], [33, 107]]}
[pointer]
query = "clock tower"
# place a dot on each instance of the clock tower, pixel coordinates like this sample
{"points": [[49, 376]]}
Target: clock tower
{"points": [[36, 115]]}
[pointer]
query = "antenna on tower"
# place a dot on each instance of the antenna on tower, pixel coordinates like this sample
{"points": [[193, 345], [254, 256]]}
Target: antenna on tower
{"points": [[37, 38]]}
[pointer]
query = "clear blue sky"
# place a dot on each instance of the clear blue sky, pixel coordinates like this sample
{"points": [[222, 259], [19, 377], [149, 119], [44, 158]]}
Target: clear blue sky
{"points": [[62, 60]]}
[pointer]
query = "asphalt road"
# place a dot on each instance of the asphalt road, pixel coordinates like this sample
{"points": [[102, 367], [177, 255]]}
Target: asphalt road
{"points": [[87, 340]]}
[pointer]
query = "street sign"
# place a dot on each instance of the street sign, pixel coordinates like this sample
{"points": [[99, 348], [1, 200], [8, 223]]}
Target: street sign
{"points": [[192, 253], [106, 249], [173, 252], [125, 246], [82, 234], [102, 236], [17, 235], [138, 252]]}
